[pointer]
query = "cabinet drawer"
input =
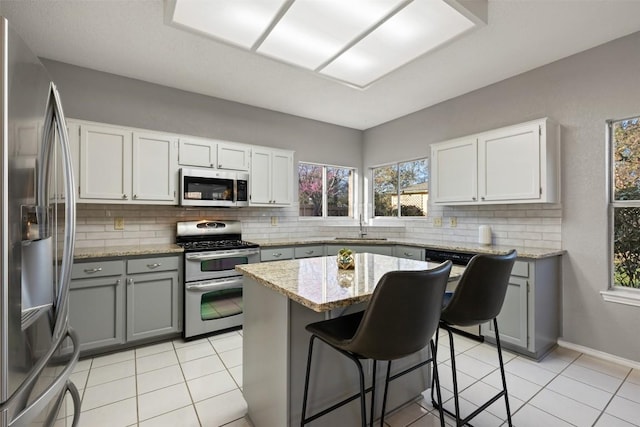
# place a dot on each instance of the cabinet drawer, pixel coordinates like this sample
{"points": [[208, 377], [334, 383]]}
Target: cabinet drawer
{"points": [[308, 251], [152, 265], [520, 268], [409, 252], [87, 270], [276, 254]]}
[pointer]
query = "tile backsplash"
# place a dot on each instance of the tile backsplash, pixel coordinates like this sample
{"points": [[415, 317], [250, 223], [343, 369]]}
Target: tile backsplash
{"points": [[529, 226]]}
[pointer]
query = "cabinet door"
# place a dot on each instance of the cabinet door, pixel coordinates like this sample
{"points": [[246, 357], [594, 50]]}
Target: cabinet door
{"points": [[195, 152], [105, 163], [308, 251], [96, 311], [153, 305], [509, 162], [282, 178], [233, 156], [276, 254], [260, 180], [454, 171], [410, 252], [154, 167], [513, 318]]}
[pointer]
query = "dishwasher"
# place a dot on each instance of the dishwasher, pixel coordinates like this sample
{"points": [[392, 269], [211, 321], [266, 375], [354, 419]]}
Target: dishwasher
{"points": [[457, 258]]}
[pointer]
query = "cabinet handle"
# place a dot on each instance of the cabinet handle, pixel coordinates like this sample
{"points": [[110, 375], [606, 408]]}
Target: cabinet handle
{"points": [[129, 281], [407, 254], [92, 270], [125, 197], [220, 166], [309, 252], [135, 196], [482, 197], [154, 265], [211, 165], [473, 198], [277, 255]]}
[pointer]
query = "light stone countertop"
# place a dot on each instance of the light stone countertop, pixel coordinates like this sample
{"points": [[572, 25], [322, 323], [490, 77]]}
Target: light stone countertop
{"points": [[131, 250], [532, 253], [318, 284]]}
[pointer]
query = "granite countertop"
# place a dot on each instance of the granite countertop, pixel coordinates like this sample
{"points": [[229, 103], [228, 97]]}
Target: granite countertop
{"points": [[114, 251], [533, 253], [317, 283]]}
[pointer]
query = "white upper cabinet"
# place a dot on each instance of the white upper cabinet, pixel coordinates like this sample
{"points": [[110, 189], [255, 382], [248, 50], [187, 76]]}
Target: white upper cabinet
{"points": [[154, 168], [515, 164], [105, 163], [197, 152], [271, 177], [119, 165], [233, 156]]}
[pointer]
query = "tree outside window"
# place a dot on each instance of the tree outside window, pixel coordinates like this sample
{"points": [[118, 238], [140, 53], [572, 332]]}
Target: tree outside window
{"points": [[401, 185], [325, 191], [625, 155]]}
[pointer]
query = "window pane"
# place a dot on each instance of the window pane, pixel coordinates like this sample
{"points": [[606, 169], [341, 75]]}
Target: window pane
{"points": [[385, 191], [626, 247], [626, 159], [414, 191], [339, 191], [310, 189]]}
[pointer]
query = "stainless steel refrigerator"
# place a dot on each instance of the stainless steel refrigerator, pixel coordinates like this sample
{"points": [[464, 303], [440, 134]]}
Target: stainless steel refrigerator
{"points": [[37, 225]]}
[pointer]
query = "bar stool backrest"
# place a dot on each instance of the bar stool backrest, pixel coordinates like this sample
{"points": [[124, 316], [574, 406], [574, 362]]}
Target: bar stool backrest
{"points": [[402, 315], [481, 290]]}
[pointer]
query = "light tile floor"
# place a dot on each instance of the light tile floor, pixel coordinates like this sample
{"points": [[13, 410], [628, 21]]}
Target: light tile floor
{"points": [[198, 383]]}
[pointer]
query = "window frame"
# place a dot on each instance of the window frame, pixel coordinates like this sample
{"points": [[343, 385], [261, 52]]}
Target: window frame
{"points": [[371, 189], [616, 293], [325, 203]]}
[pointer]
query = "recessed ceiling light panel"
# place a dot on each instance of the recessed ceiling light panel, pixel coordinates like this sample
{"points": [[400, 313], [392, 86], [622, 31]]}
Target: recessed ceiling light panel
{"points": [[354, 41]]}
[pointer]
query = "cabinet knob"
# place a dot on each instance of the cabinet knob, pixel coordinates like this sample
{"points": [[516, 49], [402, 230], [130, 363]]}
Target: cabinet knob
{"points": [[125, 197], [135, 196], [129, 281], [482, 197], [473, 198], [154, 265], [220, 166], [211, 164], [92, 270]]}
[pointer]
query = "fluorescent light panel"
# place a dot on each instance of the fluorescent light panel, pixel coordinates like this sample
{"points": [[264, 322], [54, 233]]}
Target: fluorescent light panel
{"points": [[354, 41]]}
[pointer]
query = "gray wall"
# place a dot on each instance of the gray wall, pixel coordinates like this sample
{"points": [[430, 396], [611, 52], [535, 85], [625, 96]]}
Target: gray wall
{"points": [[108, 98], [580, 92]]}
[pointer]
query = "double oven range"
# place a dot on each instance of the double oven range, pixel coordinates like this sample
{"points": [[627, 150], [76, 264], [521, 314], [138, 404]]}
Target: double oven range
{"points": [[213, 289]]}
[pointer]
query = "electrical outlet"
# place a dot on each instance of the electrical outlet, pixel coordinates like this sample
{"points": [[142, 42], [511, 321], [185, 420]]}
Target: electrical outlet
{"points": [[437, 221], [118, 223], [453, 222], [274, 220]]}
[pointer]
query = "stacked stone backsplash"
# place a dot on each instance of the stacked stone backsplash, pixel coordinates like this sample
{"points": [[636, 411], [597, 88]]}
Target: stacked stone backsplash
{"points": [[530, 226]]}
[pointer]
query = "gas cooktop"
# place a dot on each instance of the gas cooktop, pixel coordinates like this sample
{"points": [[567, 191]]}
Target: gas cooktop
{"points": [[211, 235], [210, 245]]}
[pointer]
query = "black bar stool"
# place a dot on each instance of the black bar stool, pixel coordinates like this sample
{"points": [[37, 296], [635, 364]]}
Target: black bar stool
{"points": [[401, 319], [477, 299]]}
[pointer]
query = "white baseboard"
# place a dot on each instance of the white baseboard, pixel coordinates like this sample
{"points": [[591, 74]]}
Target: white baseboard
{"points": [[599, 354]]}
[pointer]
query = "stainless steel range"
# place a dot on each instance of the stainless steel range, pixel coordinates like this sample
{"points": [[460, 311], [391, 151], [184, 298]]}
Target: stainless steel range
{"points": [[213, 289]]}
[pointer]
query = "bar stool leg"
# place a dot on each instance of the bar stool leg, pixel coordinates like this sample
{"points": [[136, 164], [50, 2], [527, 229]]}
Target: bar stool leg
{"points": [[306, 382], [504, 378], [436, 379], [433, 401], [373, 393], [455, 380], [384, 398]]}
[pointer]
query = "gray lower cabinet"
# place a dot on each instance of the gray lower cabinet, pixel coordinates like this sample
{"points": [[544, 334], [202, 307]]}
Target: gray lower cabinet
{"points": [[529, 320], [410, 252], [117, 301], [153, 297], [96, 303], [276, 254]]}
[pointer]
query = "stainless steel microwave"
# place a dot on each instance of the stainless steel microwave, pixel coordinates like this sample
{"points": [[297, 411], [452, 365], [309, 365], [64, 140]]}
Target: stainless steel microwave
{"points": [[213, 188]]}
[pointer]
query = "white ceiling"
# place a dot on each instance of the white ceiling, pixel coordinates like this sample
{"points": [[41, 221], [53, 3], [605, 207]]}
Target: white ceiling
{"points": [[130, 38]]}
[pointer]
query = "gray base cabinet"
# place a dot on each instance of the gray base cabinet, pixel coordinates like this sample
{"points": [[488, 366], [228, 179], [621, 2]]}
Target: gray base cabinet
{"points": [[113, 302], [96, 303], [332, 249], [529, 320]]}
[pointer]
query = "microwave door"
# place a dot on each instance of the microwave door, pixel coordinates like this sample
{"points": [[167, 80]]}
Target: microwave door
{"points": [[207, 191]]}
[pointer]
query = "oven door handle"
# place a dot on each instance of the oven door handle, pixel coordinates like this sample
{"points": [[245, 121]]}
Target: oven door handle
{"points": [[220, 254], [215, 285]]}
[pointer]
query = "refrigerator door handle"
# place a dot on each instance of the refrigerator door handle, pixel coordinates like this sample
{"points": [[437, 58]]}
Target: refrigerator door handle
{"points": [[31, 412], [54, 119]]}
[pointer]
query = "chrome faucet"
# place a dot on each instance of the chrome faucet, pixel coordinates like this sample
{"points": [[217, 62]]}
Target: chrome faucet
{"points": [[363, 230]]}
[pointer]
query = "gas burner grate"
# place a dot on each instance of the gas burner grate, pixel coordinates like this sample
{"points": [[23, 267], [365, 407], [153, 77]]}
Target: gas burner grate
{"points": [[216, 244]]}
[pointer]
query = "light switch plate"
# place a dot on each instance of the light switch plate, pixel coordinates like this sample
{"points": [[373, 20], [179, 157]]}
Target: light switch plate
{"points": [[437, 221], [453, 222]]}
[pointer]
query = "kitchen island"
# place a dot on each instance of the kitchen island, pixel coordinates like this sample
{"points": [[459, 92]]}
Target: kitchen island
{"points": [[280, 299]]}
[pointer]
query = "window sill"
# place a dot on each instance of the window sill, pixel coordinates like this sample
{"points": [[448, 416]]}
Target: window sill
{"points": [[622, 296]]}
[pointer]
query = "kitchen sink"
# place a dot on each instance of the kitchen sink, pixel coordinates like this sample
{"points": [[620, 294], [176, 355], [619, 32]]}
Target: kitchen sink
{"points": [[361, 238]]}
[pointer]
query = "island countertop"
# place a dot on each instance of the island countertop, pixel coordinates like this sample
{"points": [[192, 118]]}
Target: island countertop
{"points": [[318, 284]]}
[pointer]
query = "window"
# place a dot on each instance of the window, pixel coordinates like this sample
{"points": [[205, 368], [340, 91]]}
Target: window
{"points": [[624, 142], [402, 184], [325, 191]]}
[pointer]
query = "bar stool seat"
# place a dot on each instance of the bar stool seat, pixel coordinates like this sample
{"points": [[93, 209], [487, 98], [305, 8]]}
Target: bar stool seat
{"points": [[400, 320]]}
